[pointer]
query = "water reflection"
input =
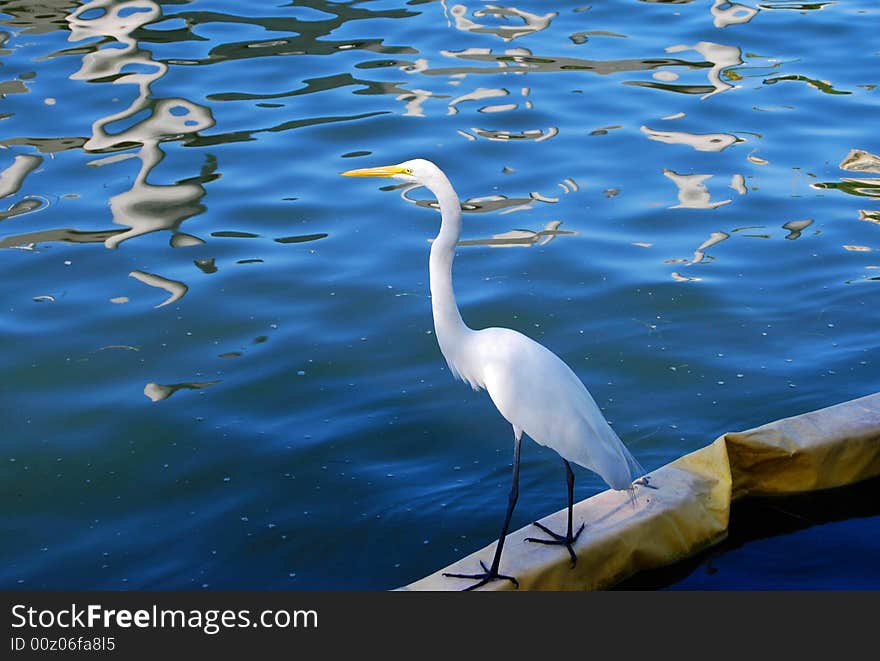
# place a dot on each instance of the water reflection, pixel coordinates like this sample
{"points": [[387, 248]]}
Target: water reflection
{"points": [[714, 239], [857, 160], [207, 265], [796, 227], [146, 207], [821, 85], [479, 94], [414, 100], [797, 6], [522, 237], [175, 288], [700, 142], [301, 238], [27, 205], [183, 240], [731, 13], [30, 240], [36, 17], [531, 23], [537, 135], [12, 177], [678, 277], [860, 187], [522, 60], [583, 37], [504, 205], [485, 204], [692, 192], [740, 230], [719, 56], [291, 36], [157, 391]]}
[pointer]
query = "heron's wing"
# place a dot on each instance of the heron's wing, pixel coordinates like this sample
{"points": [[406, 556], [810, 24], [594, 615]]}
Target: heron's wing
{"points": [[538, 393]]}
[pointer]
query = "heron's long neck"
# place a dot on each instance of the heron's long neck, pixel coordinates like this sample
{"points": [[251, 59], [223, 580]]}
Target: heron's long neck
{"points": [[448, 324]]}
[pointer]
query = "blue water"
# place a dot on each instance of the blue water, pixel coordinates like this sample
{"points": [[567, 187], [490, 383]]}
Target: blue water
{"points": [[218, 355], [813, 541]]}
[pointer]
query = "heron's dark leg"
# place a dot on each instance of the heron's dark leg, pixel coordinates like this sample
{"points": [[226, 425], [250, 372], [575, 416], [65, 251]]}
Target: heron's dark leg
{"points": [[568, 539], [491, 573]]}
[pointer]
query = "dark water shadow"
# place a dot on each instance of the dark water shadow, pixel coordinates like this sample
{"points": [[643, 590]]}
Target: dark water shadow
{"points": [[765, 517]]}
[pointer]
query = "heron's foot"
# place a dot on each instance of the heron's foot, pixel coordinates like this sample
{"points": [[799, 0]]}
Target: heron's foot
{"points": [[487, 576], [645, 481], [558, 540]]}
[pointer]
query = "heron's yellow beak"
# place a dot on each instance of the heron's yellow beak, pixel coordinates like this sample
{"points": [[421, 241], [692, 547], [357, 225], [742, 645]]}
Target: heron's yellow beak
{"points": [[381, 171]]}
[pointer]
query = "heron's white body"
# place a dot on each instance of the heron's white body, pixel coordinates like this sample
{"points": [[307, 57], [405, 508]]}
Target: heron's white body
{"points": [[532, 388], [538, 394], [535, 391]]}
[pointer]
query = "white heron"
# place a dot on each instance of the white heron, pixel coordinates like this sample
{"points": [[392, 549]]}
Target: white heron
{"points": [[535, 391]]}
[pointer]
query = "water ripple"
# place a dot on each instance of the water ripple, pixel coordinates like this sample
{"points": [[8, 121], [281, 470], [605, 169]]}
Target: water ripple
{"points": [[256, 354]]}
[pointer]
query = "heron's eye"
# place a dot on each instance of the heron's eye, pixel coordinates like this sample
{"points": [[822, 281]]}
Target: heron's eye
{"points": [[408, 171]]}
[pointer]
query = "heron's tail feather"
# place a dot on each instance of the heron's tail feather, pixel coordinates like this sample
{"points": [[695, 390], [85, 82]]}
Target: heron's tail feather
{"points": [[635, 468], [635, 472]]}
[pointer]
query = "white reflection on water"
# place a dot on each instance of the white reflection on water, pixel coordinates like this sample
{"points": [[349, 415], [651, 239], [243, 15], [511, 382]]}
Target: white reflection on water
{"points": [[157, 391], [858, 160], [692, 192], [582, 37], [488, 203], [175, 288], [27, 205], [29, 240], [738, 183], [503, 205], [720, 56], [521, 237], [678, 277], [12, 177], [413, 101], [531, 22], [523, 60], [714, 239], [699, 141], [145, 207], [479, 94], [730, 13], [182, 240], [795, 227], [716, 59], [538, 135]]}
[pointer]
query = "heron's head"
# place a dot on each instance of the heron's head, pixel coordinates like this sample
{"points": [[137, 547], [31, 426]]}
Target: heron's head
{"points": [[416, 171]]}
